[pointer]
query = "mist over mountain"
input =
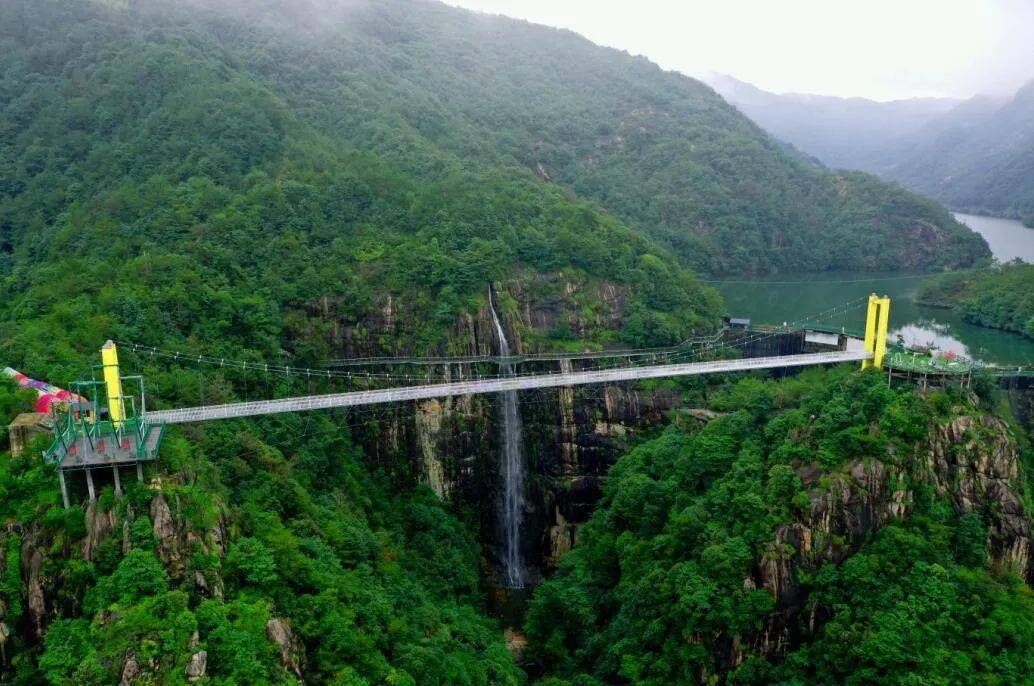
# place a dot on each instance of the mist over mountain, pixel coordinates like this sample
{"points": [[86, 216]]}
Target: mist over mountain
{"points": [[978, 157], [844, 133], [270, 199], [975, 155]]}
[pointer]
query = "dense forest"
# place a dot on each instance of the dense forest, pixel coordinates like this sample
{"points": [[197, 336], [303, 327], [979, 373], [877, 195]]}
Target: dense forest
{"points": [[999, 298], [161, 194], [679, 578], [263, 181], [277, 521], [457, 102]]}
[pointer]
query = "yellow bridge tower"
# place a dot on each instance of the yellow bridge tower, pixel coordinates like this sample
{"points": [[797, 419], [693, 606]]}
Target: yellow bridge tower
{"points": [[877, 320]]}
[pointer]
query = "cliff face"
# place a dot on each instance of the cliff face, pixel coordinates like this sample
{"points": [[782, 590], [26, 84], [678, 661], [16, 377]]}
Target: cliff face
{"points": [[975, 463], [972, 461], [571, 435]]}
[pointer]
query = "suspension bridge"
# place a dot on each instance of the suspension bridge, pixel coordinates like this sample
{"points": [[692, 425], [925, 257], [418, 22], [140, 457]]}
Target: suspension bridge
{"points": [[115, 429], [500, 385]]}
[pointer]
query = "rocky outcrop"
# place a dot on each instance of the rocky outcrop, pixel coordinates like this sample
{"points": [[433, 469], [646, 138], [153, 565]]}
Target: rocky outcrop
{"points": [[130, 670], [975, 463], [562, 538], [516, 643], [165, 531], [99, 525], [201, 583], [279, 632], [36, 607], [197, 666]]}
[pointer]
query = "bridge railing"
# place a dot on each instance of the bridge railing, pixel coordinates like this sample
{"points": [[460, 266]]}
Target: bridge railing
{"points": [[497, 385]]}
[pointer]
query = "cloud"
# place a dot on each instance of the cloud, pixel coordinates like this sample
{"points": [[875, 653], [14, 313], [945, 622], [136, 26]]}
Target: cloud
{"points": [[882, 49]]}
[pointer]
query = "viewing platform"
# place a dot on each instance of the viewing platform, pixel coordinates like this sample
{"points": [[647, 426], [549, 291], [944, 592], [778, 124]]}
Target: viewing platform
{"points": [[91, 435]]}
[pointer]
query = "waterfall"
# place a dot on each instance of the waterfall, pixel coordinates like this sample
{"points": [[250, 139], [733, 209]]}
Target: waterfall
{"points": [[512, 466]]}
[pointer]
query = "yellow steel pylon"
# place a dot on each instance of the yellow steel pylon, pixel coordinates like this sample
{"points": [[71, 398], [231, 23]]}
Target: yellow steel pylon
{"points": [[113, 381], [877, 320]]}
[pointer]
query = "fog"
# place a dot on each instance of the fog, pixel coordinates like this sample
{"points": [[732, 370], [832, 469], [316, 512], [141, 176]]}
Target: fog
{"points": [[881, 49]]}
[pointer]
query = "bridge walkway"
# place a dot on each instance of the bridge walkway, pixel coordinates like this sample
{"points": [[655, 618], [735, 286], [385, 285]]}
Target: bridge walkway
{"points": [[496, 385]]}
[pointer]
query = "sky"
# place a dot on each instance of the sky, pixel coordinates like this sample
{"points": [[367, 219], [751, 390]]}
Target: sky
{"points": [[880, 49]]}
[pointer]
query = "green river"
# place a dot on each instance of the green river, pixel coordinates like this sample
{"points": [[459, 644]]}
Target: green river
{"points": [[790, 298]]}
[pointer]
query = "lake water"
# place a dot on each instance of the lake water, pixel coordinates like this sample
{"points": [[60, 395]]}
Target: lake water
{"points": [[1007, 238], [792, 297]]}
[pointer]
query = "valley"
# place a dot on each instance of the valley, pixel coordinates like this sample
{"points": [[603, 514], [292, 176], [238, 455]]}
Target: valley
{"points": [[424, 363]]}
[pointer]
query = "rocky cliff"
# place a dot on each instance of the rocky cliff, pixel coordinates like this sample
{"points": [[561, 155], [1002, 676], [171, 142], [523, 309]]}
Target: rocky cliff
{"points": [[972, 461], [571, 435]]}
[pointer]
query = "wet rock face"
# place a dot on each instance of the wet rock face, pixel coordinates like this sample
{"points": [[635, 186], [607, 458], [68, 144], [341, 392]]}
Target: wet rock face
{"points": [[571, 435]]}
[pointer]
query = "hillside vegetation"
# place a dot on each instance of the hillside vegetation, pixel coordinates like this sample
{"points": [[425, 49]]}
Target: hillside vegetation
{"points": [[249, 180], [468, 108], [282, 521], [744, 552], [156, 190], [1000, 298]]}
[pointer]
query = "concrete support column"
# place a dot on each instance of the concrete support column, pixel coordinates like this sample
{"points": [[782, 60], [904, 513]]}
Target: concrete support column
{"points": [[89, 485], [64, 487], [118, 482], [139, 472]]}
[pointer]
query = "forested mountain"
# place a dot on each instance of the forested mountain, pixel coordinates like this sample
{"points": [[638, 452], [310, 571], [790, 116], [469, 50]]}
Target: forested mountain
{"points": [[843, 133], [439, 93], [288, 182], [976, 155], [812, 533], [977, 158], [183, 179]]}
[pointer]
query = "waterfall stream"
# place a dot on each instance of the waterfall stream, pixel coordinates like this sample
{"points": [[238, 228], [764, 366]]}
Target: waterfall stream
{"points": [[512, 467]]}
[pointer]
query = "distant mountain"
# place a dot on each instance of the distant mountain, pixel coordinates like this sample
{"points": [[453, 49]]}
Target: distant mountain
{"points": [[853, 133], [975, 155], [978, 157]]}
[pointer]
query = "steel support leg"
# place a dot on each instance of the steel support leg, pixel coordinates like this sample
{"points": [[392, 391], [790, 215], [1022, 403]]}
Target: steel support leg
{"points": [[64, 487], [89, 485]]}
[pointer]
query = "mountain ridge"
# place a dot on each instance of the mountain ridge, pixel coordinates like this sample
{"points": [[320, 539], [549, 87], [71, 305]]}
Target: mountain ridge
{"points": [[977, 154]]}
